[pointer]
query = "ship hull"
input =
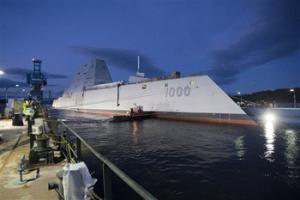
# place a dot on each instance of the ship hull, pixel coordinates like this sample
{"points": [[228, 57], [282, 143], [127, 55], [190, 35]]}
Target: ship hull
{"points": [[196, 99], [207, 118]]}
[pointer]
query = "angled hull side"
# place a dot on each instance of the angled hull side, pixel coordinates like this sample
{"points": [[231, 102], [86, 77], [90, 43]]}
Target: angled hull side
{"points": [[195, 98]]}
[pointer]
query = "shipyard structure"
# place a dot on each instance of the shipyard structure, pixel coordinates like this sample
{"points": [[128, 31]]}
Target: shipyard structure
{"points": [[192, 98]]}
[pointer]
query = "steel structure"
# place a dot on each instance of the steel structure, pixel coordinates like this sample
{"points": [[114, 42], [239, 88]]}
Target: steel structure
{"points": [[37, 80]]}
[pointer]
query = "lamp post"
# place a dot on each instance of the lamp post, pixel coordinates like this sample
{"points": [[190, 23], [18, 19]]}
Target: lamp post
{"points": [[241, 98], [2, 73], [23, 93], [293, 90], [16, 94]]}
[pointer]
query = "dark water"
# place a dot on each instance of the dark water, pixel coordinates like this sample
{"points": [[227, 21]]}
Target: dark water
{"points": [[180, 160]]}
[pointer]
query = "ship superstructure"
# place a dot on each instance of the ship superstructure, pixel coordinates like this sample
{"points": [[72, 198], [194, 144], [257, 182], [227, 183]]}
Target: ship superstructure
{"points": [[192, 98]]}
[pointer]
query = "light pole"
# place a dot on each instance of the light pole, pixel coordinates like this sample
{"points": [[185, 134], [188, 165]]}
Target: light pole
{"points": [[2, 73], [293, 90], [23, 94], [241, 98], [16, 95]]}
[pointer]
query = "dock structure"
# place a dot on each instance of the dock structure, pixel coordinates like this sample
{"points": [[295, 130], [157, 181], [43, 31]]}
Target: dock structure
{"points": [[20, 178], [15, 144]]}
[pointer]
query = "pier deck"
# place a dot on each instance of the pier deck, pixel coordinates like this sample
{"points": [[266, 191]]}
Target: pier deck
{"points": [[15, 144]]}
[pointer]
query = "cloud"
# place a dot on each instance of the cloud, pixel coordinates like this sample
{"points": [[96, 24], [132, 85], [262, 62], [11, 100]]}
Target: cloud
{"points": [[21, 72], [121, 58], [275, 35], [7, 83]]}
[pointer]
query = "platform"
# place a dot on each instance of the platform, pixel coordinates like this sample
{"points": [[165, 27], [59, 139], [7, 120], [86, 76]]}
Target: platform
{"points": [[15, 144]]}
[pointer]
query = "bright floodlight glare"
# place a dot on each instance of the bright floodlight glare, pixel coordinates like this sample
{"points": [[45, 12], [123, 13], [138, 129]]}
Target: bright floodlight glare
{"points": [[270, 117], [292, 90], [1, 72]]}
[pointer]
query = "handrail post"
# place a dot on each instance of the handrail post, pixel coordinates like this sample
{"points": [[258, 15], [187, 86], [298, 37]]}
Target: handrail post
{"points": [[65, 145], [78, 149], [107, 182]]}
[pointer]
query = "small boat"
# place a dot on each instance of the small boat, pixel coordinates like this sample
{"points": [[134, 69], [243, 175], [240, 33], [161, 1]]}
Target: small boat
{"points": [[135, 113]]}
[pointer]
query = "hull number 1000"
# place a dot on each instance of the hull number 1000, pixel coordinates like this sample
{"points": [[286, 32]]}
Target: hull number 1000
{"points": [[178, 91]]}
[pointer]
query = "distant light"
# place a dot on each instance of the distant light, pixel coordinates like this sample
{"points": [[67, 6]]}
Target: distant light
{"points": [[292, 90], [1, 72], [290, 131], [17, 85], [239, 93], [23, 90], [269, 117]]}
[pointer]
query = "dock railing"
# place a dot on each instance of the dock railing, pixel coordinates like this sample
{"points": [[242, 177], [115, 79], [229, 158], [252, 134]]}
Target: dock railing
{"points": [[73, 154]]}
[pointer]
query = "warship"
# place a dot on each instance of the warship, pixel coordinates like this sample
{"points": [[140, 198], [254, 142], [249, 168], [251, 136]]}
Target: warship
{"points": [[192, 98]]}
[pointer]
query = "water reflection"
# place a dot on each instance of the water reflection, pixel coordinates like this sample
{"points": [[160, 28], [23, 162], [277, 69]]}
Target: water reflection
{"points": [[135, 132], [239, 145], [291, 152], [269, 130]]}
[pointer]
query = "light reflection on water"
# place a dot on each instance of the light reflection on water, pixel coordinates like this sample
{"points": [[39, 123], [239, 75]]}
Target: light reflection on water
{"points": [[269, 130], [240, 147], [135, 132], [291, 153]]}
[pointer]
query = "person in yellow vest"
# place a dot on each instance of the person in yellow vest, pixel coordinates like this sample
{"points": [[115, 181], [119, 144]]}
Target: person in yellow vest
{"points": [[28, 111], [24, 106]]}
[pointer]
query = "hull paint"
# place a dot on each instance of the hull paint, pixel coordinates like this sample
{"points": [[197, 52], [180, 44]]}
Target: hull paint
{"points": [[102, 112], [209, 119], [232, 119]]}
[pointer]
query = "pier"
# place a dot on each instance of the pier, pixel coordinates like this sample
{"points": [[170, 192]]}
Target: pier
{"points": [[20, 179], [15, 144]]}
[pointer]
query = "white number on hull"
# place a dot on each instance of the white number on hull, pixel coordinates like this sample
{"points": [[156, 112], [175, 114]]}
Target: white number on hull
{"points": [[187, 91], [179, 91], [172, 92]]}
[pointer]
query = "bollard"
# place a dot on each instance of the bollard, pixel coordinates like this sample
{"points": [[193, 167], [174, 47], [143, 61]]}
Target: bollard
{"points": [[17, 119], [37, 173]]}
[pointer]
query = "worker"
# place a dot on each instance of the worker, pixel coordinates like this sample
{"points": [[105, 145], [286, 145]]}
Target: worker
{"points": [[24, 106], [28, 111]]}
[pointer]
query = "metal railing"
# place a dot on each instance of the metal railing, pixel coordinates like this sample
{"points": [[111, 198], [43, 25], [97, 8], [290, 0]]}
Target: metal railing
{"points": [[108, 168]]}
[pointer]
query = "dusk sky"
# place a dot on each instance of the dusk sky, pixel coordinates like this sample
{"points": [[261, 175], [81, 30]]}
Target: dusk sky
{"points": [[244, 46]]}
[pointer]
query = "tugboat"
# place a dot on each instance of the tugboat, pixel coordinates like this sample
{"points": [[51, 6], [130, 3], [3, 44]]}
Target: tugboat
{"points": [[135, 113]]}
